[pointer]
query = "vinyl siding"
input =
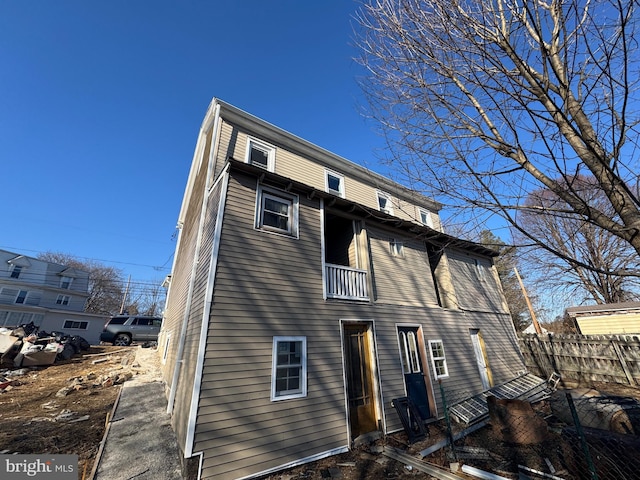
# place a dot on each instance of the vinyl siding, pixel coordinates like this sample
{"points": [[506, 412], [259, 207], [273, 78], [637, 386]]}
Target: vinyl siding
{"points": [[181, 285], [609, 324], [476, 286], [227, 140], [453, 328], [269, 285], [233, 143], [177, 295], [250, 307], [400, 280]]}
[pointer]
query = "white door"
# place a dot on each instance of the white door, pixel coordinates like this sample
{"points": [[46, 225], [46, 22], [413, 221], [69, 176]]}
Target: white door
{"points": [[481, 358]]}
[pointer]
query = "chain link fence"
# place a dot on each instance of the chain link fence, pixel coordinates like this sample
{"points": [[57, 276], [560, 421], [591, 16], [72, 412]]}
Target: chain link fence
{"points": [[572, 434]]}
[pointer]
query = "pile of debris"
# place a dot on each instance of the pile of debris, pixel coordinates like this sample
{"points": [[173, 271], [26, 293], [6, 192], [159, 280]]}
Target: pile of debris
{"points": [[28, 346]]}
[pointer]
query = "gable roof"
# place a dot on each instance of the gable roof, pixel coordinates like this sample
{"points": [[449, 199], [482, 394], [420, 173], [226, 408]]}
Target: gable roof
{"points": [[20, 261]]}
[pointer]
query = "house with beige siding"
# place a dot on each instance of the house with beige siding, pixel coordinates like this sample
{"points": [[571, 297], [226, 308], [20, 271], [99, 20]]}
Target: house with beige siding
{"points": [[307, 293], [607, 319]]}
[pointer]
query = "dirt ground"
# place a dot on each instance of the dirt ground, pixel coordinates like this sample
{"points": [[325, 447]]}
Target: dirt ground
{"points": [[482, 449], [63, 408]]}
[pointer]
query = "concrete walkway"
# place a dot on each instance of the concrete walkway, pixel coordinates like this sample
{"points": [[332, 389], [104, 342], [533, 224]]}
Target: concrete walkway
{"points": [[140, 443]]}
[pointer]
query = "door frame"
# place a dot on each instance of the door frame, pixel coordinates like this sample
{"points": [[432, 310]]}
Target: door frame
{"points": [[375, 373], [426, 365], [477, 334]]}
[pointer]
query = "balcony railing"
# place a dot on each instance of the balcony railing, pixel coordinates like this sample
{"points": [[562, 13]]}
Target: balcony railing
{"points": [[346, 282]]}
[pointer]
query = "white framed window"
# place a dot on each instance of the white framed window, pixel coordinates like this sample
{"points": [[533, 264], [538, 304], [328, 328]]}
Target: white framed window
{"points": [[65, 282], [22, 296], [426, 218], [409, 352], [14, 319], [438, 359], [15, 271], [289, 368], [480, 270], [277, 212], [72, 324], [396, 248], [384, 203], [334, 183], [261, 154], [63, 300]]}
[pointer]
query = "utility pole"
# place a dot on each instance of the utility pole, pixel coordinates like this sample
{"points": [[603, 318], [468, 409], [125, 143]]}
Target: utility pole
{"points": [[536, 325], [126, 292]]}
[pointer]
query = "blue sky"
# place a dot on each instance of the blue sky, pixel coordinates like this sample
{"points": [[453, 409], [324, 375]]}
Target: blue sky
{"points": [[101, 102]]}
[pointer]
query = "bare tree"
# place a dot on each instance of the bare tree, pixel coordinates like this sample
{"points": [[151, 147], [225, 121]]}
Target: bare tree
{"points": [[615, 276], [105, 282], [486, 101], [147, 298]]}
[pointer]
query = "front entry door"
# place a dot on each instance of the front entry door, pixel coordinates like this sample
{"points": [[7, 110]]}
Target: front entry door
{"points": [[412, 366], [481, 359], [359, 373]]}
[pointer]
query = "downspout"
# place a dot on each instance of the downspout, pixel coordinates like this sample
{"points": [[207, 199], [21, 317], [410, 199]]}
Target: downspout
{"points": [[183, 329]]}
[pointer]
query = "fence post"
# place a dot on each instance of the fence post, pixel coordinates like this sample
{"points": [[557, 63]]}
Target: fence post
{"points": [[623, 362], [583, 440], [448, 420]]}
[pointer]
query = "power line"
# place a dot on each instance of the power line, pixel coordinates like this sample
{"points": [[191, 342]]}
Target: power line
{"points": [[155, 267]]}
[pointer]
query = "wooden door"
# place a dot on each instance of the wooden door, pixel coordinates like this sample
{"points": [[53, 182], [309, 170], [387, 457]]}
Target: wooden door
{"points": [[359, 375]]}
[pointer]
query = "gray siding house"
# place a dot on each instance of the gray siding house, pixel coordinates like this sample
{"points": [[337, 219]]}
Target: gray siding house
{"points": [[50, 295], [307, 292]]}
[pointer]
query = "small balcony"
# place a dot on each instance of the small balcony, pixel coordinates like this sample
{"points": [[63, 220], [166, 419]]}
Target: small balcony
{"points": [[346, 282]]}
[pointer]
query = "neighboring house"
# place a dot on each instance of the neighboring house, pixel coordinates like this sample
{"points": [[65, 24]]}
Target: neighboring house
{"points": [[532, 329], [612, 318], [50, 295], [308, 292]]}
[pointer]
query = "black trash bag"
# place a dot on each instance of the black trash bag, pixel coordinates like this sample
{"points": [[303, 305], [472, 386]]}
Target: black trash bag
{"points": [[29, 328], [67, 352], [80, 342], [43, 334], [74, 342]]}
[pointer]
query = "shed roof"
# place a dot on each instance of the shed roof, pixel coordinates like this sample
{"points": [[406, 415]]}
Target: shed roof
{"points": [[606, 309]]}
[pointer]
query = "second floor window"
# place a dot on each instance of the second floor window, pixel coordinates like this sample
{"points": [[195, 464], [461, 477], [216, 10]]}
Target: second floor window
{"points": [[63, 300], [277, 212], [425, 218], [396, 248], [22, 296], [480, 270]]}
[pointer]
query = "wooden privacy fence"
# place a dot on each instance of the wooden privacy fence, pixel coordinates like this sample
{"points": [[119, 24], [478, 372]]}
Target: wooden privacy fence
{"points": [[583, 358]]}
